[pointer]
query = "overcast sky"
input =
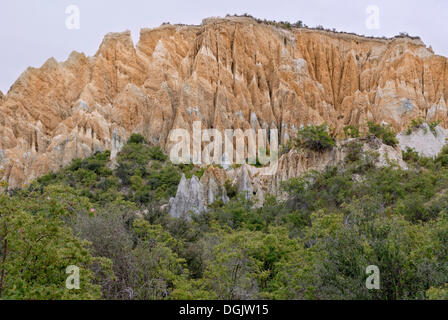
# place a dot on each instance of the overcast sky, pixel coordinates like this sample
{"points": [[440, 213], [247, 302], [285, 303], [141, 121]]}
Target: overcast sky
{"points": [[31, 31]]}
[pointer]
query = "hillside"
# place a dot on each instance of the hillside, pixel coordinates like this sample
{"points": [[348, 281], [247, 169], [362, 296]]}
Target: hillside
{"points": [[229, 73], [114, 225]]}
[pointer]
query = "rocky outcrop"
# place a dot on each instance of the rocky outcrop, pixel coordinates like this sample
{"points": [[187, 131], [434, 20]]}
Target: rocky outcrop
{"points": [[228, 73], [189, 197], [194, 196], [425, 141]]}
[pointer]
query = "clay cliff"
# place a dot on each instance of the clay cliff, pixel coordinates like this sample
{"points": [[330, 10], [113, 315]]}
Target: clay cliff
{"points": [[195, 195], [228, 73]]}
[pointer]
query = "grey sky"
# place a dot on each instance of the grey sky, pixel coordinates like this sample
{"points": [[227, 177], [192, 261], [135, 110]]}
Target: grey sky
{"points": [[31, 31]]}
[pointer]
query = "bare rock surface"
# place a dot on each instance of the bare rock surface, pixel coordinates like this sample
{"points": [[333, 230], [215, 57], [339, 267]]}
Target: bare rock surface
{"points": [[227, 73], [194, 196], [425, 141]]}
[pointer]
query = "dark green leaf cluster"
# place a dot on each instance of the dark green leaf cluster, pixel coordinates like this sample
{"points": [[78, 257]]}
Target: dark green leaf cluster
{"points": [[315, 138]]}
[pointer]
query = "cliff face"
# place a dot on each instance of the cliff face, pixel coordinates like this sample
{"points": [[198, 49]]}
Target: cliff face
{"points": [[228, 73], [194, 195]]}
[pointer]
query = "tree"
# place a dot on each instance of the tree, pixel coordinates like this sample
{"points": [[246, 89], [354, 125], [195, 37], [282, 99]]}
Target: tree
{"points": [[315, 138], [385, 133], [158, 267], [245, 264], [36, 249]]}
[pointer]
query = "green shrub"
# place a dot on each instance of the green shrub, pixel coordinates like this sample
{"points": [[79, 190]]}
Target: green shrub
{"points": [[438, 293], [158, 154], [315, 138], [164, 182], [414, 158], [417, 123], [351, 132], [385, 133], [199, 172], [143, 195], [433, 125], [190, 170], [410, 155], [389, 138], [47, 179], [231, 189], [108, 183], [354, 151], [442, 158], [413, 208], [137, 139], [86, 177], [75, 165], [254, 162]]}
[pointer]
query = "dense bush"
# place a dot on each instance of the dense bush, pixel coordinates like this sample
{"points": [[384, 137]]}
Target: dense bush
{"points": [[136, 249], [442, 158], [315, 245], [315, 138], [351, 132], [385, 133], [36, 247], [136, 139]]}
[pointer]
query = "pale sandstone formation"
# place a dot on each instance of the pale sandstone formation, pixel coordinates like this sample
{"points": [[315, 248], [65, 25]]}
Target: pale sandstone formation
{"points": [[228, 73], [423, 140], [194, 195]]}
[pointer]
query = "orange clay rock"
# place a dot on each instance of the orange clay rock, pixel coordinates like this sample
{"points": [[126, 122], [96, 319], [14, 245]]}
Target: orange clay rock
{"points": [[228, 73]]}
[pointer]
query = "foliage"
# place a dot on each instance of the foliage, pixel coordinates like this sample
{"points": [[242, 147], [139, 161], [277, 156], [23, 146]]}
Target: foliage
{"points": [[385, 133], [354, 151], [315, 138], [136, 139], [107, 218], [351, 132], [438, 293], [3, 183], [415, 124], [37, 247], [231, 189], [442, 158], [433, 125], [244, 264], [419, 124], [410, 155]]}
